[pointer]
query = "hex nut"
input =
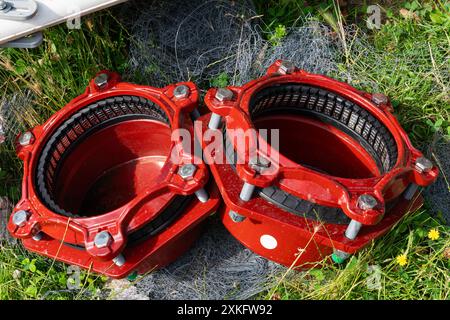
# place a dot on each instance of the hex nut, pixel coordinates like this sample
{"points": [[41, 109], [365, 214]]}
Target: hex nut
{"points": [[286, 67], [259, 163], [102, 239], [26, 139], [20, 218], [181, 91], [423, 165], [224, 94], [187, 171], [101, 80], [367, 202], [379, 99]]}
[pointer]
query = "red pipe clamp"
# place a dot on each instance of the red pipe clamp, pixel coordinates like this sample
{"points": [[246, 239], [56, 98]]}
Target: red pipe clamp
{"points": [[105, 186], [343, 174]]}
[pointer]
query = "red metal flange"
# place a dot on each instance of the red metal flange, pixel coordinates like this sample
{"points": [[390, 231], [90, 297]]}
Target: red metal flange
{"points": [[341, 152], [106, 185]]}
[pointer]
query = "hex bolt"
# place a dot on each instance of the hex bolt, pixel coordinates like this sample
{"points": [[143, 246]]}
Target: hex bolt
{"points": [[423, 165], [102, 239], [202, 195], [101, 80], [181, 92], [247, 191], [187, 171], [26, 138], [379, 99], [38, 236], [286, 67], [353, 229], [20, 218], [214, 121], [367, 202], [224, 94], [119, 260], [236, 217]]}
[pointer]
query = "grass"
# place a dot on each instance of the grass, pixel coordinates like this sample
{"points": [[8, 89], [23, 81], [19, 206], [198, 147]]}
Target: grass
{"points": [[408, 58]]}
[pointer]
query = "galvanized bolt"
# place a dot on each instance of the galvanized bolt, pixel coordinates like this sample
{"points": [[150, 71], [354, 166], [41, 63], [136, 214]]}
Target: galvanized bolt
{"points": [[247, 191], [3, 5], [286, 67], [20, 218], [259, 163], [367, 202], [236, 217], [379, 99], [202, 195], [101, 80], [37, 236], [181, 91], [224, 94], [102, 239], [214, 121], [353, 229], [119, 260], [423, 165], [26, 138], [187, 171]]}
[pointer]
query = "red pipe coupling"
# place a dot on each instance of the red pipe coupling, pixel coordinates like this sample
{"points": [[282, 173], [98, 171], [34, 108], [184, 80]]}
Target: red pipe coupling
{"points": [[106, 186], [343, 171]]}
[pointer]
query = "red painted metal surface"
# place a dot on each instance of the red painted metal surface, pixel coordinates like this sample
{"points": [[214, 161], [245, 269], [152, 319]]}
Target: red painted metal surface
{"points": [[348, 172], [118, 179]]}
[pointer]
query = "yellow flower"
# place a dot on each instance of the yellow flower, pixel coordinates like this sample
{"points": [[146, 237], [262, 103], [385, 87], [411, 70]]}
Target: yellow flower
{"points": [[402, 260], [433, 234]]}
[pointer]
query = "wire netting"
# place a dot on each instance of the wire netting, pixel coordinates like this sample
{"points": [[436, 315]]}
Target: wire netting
{"points": [[17, 114]]}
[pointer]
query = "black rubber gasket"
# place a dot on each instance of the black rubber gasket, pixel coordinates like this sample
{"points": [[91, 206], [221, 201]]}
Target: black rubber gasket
{"points": [[77, 128], [331, 108]]}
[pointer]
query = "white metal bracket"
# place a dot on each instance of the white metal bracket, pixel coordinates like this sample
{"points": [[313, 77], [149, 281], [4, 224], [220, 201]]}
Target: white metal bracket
{"points": [[18, 10]]}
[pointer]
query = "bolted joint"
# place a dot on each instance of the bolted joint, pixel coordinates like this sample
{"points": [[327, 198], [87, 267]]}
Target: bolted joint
{"points": [[423, 165], [380, 99], [20, 218], [187, 171], [367, 202], [181, 92], [26, 139], [102, 239], [236, 217], [286, 67], [101, 80], [224, 94]]}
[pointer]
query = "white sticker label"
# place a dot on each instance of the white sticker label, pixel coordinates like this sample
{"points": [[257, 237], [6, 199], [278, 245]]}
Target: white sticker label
{"points": [[268, 242]]}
